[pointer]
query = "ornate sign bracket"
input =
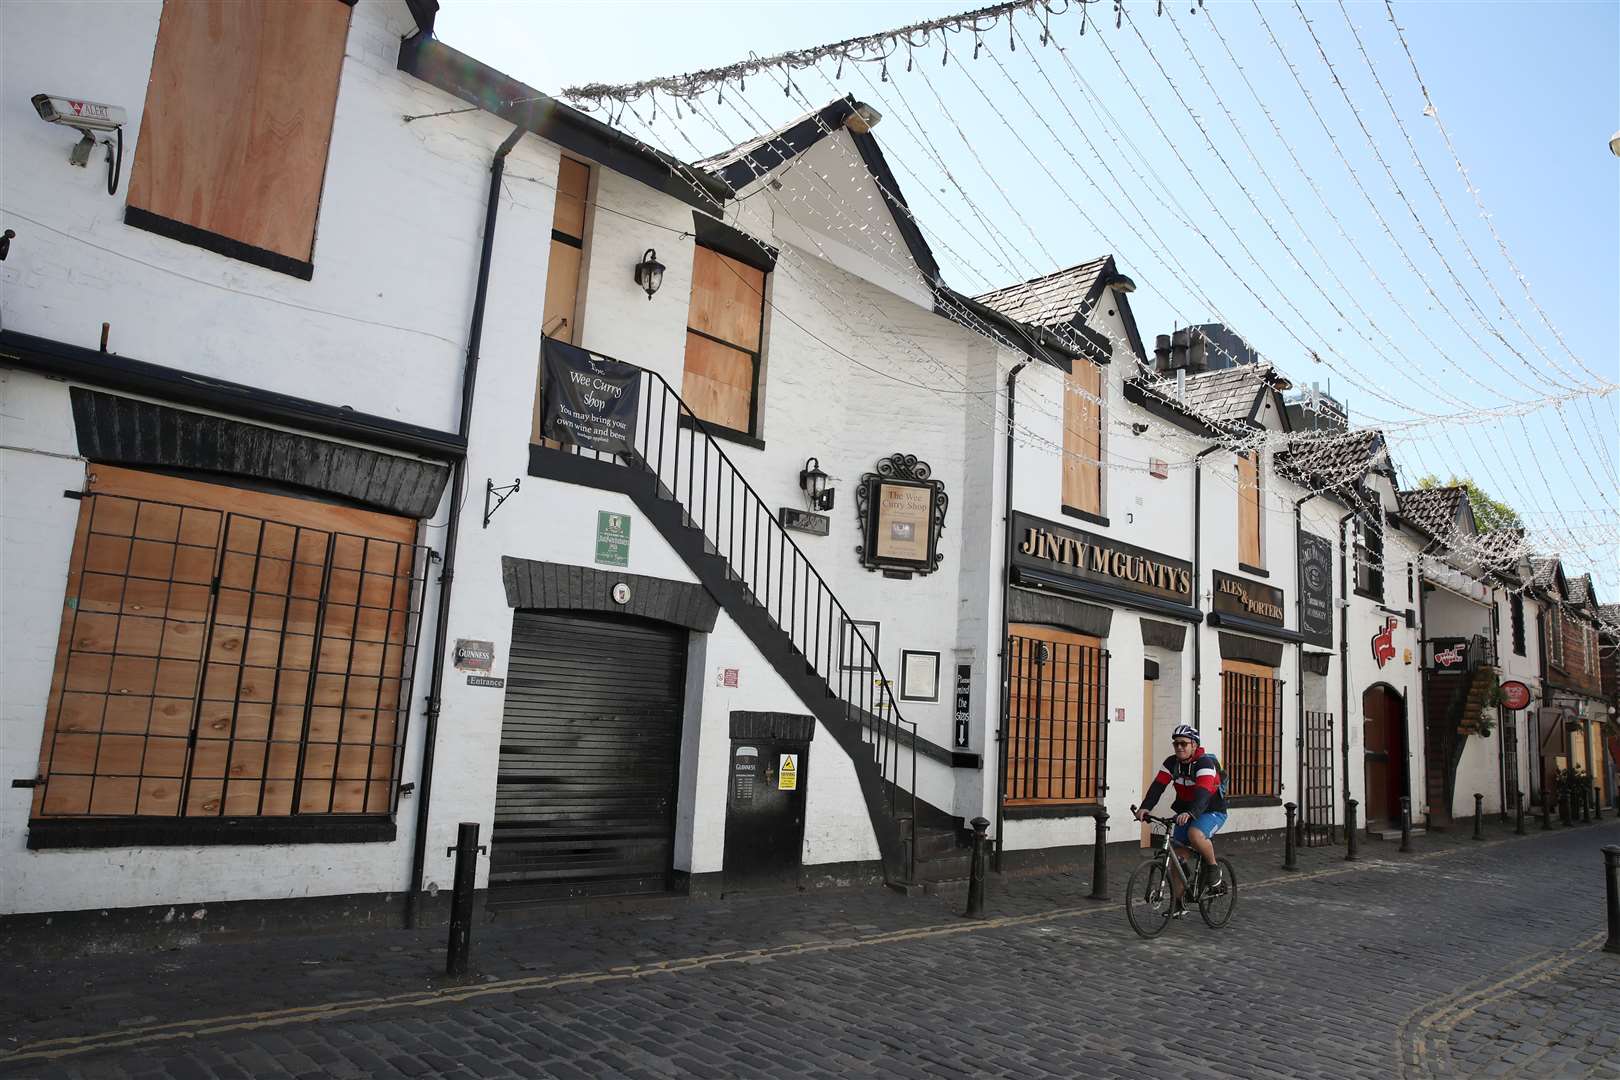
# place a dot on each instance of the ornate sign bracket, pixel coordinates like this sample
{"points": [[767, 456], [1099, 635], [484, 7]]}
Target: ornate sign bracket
{"points": [[901, 509]]}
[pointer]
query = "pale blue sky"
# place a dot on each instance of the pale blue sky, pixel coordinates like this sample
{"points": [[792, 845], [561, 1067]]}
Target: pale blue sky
{"points": [[1530, 93]]}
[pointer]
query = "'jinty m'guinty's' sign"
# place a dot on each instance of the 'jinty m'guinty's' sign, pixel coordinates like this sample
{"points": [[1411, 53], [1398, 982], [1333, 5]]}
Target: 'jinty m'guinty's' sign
{"points": [[1083, 557]]}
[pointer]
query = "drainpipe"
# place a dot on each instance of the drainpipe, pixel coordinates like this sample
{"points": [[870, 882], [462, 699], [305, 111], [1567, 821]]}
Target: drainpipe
{"points": [[1344, 650], [469, 380], [1198, 582], [1423, 697], [1299, 653], [1006, 600]]}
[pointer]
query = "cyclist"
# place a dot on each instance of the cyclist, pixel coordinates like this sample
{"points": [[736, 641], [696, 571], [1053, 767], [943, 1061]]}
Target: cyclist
{"points": [[1199, 804]]}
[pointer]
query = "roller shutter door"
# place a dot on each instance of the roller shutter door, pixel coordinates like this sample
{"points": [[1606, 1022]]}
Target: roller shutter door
{"points": [[590, 746]]}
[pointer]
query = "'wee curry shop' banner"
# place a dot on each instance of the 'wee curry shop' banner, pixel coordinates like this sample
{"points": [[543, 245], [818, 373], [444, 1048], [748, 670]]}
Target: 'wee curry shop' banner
{"points": [[590, 401]]}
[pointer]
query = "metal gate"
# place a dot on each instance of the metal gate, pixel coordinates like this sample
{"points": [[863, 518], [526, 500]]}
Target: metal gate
{"points": [[1318, 821], [590, 747], [1057, 729], [1510, 761]]}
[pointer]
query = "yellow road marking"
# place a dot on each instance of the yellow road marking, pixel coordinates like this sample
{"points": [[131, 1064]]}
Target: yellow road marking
{"points": [[67, 1046]]}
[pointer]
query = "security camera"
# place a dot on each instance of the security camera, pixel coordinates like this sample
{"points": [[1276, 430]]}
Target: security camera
{"points": [[87, 118], [84, 115]]}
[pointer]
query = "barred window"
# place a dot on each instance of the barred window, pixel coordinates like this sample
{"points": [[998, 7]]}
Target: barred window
{"points": [[1251, 730], [1057, 737], [229, 654], [1516, 618]]}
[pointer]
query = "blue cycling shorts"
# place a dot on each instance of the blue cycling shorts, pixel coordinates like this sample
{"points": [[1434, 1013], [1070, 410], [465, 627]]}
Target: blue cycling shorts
{"points": [[1209, 823]]}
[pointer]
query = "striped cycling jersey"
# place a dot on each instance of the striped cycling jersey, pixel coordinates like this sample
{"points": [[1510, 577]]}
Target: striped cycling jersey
{"points": [[1197, 782]]}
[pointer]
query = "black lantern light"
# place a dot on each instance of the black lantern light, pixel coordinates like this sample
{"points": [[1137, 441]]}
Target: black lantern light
{"points": [[813, 482], [650, 272]]}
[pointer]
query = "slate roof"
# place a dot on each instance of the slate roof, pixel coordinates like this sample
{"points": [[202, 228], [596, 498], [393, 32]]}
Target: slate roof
{"points": [[1053, 300], [1333, 459], [1544, 572], [1609, 616], [1500, 550], [1580, 589], [1433, 510], [1228, 395]]}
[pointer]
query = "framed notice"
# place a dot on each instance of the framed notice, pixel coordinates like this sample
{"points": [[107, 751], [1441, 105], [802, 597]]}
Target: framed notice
{"points": [[919, 675], [852, 654], [902, 511]]}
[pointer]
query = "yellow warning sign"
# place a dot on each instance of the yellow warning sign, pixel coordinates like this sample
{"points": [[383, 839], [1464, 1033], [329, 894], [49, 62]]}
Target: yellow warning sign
{"points": [[787, 773]]}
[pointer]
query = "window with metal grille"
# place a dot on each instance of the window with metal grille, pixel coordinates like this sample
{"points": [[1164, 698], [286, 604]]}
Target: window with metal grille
{"points": [[1057, 730], [1251, 730], [220, 664]]}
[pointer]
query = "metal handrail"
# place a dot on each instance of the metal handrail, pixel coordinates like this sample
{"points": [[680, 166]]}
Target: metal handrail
{"points": [[815, 620]]}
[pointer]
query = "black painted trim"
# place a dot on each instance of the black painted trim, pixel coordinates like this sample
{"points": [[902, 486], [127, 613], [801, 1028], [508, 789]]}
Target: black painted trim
{"points": [[480, 85], [1132, 334], [128, 431], [1245, 802], [424, 12], [1032, 341], [1048, 609], [1317, 662], [147, 221], [716, 235], [773, 726], [1255, 570], [1036, 813], [548, 586], [563, 238], [1251, 650], [1159, 635], [114, 372], [1085, 515], [1258, 629], [872, 154], [205, 832], [1117, 597], [711, 428]]}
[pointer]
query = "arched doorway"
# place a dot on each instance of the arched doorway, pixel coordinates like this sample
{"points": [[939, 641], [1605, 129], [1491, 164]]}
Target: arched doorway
{"points": [[1383, 717]]}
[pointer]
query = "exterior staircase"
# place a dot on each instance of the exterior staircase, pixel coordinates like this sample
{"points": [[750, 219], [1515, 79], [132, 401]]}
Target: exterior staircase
{"points": [[1453, 707], [683, 482]]}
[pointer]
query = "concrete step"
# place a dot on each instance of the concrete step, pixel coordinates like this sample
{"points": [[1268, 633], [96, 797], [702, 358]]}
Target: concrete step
{"points": [[945, 868], [932, 843], [1395, 834]]}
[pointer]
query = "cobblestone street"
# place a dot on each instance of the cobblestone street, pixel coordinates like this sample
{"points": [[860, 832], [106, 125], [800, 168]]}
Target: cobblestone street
{"points": [[1459, 959]]}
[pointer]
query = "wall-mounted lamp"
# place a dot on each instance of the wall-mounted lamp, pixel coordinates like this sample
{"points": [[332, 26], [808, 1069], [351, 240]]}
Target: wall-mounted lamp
{"points": [[813, 482], [650, 272]]}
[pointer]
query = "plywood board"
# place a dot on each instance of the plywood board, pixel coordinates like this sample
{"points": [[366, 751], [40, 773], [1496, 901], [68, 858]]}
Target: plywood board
{"points": [[728, 299], [1249, 510], [238, 118], [1082, 438], [719, 383]]}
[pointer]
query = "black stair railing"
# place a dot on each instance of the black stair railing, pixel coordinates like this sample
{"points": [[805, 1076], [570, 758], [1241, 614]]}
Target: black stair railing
{"points": [[690, 468]]}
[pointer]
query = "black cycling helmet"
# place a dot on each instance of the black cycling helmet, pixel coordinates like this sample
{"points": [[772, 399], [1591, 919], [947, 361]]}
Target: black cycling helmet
{"points": [[1186, 731]]}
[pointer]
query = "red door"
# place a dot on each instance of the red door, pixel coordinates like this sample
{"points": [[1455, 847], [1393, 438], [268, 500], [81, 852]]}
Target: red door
{"points": [[1384, 749]]}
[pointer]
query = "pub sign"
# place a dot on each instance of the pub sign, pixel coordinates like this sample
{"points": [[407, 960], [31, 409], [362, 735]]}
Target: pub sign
{"points": [[1315, 589], [1087, 558], [1248, 599]]}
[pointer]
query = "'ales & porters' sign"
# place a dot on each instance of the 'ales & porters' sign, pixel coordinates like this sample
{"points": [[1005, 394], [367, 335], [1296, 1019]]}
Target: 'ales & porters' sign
{"points": [[1087, 557], [1248, 599]]}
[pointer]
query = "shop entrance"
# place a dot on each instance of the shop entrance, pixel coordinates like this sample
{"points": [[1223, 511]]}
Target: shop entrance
{"points": [[1383, 717], [590, 748]]}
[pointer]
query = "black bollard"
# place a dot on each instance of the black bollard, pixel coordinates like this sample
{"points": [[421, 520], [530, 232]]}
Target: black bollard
{"points": [[466, 851], [1290, 856], [1406, 823], [1597, 803], [975, 908], [1099, 858], [1611, 867], [1479, 816], [1518, 813], [1350, 830]]}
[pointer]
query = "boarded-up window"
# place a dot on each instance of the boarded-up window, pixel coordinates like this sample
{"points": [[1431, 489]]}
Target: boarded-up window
{"points": [[236, 126], [1250, 552], [724, 329], [1057, 738], [1251, 729], [560, 316], [228, 653], [1082, 438]]}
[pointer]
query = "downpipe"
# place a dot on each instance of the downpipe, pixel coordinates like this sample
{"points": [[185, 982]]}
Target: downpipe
{"points": [[1198, 582], [1344, 653], [469, 382], [1006, 600]]}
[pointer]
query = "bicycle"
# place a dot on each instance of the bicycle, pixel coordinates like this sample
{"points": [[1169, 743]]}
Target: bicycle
{"points": [[1150, 896]]}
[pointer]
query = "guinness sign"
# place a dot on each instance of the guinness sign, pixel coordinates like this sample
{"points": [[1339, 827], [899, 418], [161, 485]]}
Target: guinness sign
{"points": [[1248, 599], [1086, 557]]}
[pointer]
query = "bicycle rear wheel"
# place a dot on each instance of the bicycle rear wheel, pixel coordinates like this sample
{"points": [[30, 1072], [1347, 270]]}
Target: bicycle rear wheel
{"points": [[1148, 899], [1217, 908]]}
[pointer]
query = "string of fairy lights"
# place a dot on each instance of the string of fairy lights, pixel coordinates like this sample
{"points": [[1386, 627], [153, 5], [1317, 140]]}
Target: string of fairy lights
{"points": [[1557, 387]]}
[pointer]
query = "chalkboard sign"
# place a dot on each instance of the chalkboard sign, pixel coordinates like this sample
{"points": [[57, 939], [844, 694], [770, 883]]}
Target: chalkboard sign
{"points": [[1315, 589]]}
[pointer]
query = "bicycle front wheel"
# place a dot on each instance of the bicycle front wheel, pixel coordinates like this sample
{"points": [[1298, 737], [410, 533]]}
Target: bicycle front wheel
{"points": [[1148, 899], [1216, 907]]}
